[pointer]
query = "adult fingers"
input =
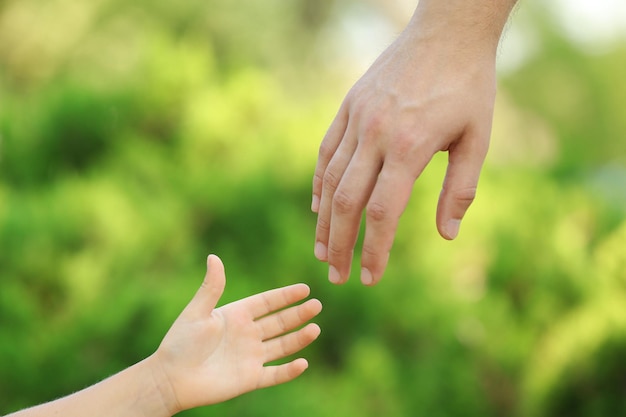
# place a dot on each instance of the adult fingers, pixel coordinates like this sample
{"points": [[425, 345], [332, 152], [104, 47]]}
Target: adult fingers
{"points": [[328, 147], [290, 343], [387, 203], [331, 180], [459, 188], [287, 320], [348, 203]]}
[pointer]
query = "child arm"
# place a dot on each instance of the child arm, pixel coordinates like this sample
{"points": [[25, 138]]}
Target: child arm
{"points": [[208, 356]]}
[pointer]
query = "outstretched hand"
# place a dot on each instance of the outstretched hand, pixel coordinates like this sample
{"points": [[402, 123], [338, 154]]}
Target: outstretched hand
{"points": [[432, 90], [211, 355]]}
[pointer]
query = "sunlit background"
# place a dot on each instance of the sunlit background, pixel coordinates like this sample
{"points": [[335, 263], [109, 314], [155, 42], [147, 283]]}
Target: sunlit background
{"points": [[138, 137]]}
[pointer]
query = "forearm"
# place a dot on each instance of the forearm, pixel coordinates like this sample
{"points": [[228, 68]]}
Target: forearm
{"points": [[135, 391], [474, 24]]}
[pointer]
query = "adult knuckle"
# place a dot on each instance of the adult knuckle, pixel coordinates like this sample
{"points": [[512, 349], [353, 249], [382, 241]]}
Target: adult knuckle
{"points": [[344, 202], [331, 180], [337, 252], [464, 196], [377, 212], [323, 224], [403, 146], [373, 127], [371, 252], [326, 151], [334, 253], [317, 179]]}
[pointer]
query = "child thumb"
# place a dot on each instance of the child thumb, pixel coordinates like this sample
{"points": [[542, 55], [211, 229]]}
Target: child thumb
{"points": [[212, 286]]}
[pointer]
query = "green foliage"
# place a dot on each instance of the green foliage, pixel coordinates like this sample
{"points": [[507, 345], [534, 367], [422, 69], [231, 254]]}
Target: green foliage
{"points": [[137, 138]]}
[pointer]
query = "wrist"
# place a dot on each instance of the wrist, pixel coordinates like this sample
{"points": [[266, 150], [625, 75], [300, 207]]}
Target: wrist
{"points": [[470, 25], [159, 390]]}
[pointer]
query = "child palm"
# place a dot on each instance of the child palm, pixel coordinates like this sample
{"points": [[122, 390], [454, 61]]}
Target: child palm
{"points": [[211, 355]]}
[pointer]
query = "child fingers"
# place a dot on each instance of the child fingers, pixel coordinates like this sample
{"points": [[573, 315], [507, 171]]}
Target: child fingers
{"points": [[289, 319], [291, 343], [261, 304], [279, 374]]}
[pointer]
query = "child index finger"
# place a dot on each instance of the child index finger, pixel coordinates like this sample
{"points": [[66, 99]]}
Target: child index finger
{"points": [[259, 305]]}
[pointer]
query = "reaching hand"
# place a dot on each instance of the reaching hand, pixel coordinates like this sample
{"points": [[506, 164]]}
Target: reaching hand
{"points": [[432, 90], [211, 355]]}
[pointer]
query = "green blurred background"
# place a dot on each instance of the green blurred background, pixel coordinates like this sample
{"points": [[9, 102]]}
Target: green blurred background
{"points": [[138, 137]]}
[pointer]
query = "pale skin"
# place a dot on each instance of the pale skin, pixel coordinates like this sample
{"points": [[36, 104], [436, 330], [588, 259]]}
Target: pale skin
{"points": [[209, 355], [432, 90]]}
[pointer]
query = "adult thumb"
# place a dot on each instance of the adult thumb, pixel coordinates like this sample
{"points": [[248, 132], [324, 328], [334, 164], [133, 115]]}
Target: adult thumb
{"points": [[459, 187]]}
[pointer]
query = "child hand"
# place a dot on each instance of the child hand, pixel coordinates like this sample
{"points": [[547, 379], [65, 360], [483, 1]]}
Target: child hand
{"points": [[211, 355]]}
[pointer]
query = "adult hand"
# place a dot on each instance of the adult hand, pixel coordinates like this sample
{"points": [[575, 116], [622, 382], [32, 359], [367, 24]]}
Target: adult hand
{"points": [[211, 355], [432, 90]]}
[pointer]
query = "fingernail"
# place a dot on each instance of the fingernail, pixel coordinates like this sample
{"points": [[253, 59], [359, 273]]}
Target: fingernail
{"points": [[321, 252], [366, 277], [333, 275], [452, 228], [315, 204]]}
